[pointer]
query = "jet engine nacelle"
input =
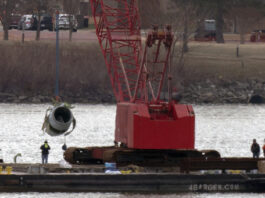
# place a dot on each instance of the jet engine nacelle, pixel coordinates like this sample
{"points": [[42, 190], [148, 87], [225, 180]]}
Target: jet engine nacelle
{"points": [[58, 120]]}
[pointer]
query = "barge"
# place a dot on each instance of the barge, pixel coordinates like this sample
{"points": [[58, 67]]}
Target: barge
{"points": [[137, 183], [230, 176]]}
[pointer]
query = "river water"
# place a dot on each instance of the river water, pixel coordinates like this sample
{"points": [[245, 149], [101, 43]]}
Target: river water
{"points": [[226, 128]]}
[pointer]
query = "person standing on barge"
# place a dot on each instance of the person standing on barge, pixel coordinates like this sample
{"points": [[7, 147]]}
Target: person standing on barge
{"points": [[45, 152], [255, 149]]}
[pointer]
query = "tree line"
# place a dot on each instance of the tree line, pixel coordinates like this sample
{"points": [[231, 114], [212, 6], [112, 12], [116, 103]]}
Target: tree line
{"points": [[185, 15], [244, 14]]}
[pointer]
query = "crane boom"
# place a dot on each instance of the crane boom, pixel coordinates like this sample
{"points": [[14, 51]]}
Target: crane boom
{"points": [[135, 74], [118, 30]]}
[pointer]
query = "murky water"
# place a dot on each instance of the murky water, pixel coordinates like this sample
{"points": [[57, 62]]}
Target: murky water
{"points": [[226, 128]]}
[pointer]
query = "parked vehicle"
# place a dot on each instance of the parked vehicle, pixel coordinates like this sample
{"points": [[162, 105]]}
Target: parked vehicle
{"points": [[257, 35], [64, 22], [28, 21], [46, 22], [31, 22], [15, 18], [206, 31]]}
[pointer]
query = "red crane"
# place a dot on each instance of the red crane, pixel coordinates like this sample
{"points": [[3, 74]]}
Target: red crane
{"points": [[146, 125]]}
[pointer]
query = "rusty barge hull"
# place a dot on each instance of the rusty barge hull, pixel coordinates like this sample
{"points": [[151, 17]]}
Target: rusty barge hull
{"points": [[135, 183]]}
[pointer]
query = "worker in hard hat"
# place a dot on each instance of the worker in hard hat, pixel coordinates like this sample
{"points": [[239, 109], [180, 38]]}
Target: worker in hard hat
{"points": [[45, 152]]}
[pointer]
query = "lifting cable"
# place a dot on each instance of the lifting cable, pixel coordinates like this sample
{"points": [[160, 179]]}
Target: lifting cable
{"points": [[59, 117]]}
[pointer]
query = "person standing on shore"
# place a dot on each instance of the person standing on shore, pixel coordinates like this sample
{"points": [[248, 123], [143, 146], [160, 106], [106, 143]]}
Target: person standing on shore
{"points": [[45, 152], [255, 149]]}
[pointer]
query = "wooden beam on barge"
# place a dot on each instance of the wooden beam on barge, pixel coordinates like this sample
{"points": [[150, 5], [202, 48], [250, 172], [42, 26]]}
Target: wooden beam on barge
{"points": [[193, 164], [137, 183]]}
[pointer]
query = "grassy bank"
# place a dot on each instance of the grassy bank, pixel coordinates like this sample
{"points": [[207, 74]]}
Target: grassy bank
{"points": [[29, 69], [220, 61]]}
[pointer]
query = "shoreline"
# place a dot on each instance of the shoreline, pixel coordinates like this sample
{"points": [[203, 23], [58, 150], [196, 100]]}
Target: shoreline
{"points": [[203, 92]]}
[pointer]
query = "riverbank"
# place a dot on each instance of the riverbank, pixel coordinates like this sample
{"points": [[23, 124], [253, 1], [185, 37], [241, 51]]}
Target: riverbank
{"points": [[208, 91], [211, 73], [224, 92]]}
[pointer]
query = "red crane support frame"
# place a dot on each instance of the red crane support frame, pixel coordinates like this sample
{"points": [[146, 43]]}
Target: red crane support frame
{"points": [[118, 29]]}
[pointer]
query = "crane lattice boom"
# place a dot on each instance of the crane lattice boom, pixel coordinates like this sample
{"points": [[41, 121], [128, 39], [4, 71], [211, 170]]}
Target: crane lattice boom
{"points": [[135, 74], [118, 30]]}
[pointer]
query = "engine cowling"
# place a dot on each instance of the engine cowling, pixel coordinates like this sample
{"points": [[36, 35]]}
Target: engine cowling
{"points": [[58, 121]]}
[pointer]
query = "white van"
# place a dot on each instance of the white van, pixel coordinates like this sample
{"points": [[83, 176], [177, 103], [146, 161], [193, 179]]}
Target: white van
{"points": [[64, 21]]}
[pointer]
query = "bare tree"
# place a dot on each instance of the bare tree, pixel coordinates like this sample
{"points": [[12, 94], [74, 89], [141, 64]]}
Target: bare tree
{"points": [[7, 7], [37, 7], [54, 5], [184, 19], [246, 15], [71, 7], [246, 18], [150, 13], [220, 21]]}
